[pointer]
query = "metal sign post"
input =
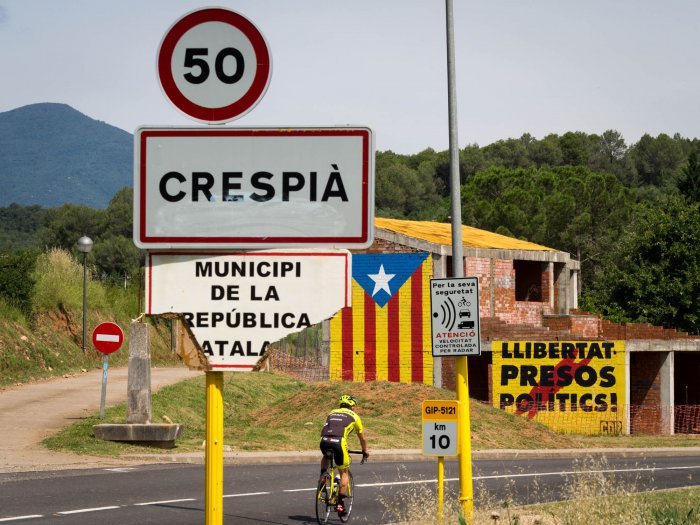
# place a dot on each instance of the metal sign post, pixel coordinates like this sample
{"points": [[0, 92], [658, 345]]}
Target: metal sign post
{"points": [[466, 489], [440, 431]]}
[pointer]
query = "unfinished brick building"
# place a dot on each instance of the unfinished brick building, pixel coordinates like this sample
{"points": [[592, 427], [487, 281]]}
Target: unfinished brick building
{"points": [[528, 293]]}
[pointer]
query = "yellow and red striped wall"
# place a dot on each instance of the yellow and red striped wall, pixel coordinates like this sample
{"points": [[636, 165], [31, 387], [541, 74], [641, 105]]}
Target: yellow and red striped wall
{"points": [[385, 335]]}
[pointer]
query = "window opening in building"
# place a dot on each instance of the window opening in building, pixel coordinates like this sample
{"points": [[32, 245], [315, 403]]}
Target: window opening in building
{"points": [[528, 280]]}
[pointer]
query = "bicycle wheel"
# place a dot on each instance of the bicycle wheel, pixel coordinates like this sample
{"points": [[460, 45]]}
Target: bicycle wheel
{"points": [[323, 507], [348, 500]]}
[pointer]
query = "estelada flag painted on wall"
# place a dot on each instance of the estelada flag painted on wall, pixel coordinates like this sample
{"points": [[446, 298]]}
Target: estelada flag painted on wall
{"points": [[385, 335]]}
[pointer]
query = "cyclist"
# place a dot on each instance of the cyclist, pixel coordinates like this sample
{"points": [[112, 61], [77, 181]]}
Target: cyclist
{"points": [[334, 441]]}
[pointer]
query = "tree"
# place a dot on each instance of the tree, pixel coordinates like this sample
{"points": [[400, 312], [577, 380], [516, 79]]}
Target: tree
{"points": [[510, 153], [575, 148], [689, 184], [117, 258], [405, 192], [610, 154], [16, 282], [64, 225], [19, 226], [119, 216], [652, 274], [657, 160], [546, 152], [596, 208], [568, 208]]}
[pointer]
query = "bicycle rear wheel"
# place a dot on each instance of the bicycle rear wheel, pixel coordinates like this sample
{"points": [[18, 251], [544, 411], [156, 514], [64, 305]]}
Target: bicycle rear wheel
{"points": [[323, 507], [348, 500]]}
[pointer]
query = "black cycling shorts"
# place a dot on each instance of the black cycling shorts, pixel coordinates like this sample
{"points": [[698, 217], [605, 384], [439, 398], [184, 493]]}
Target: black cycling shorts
{"points": [[338, 448]]}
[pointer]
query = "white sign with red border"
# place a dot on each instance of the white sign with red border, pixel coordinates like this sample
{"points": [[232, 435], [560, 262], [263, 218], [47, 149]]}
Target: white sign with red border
{"points": [[233, 188], [214, 65], [107, 337], [236, 304]]}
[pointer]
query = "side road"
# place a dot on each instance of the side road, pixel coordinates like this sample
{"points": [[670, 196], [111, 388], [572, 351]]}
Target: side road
{"points": [[29, 413]]}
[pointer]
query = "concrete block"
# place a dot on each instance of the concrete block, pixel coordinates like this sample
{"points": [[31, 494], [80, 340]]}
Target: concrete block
{"points": [[138, 409], [156, 435]]}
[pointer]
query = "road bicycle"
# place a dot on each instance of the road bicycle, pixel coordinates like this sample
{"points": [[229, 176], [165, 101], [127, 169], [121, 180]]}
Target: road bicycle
{"points": [[327, 492]]}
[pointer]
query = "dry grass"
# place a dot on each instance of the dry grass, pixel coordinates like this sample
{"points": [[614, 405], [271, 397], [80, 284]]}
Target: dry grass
{"points": [[591, 498]]}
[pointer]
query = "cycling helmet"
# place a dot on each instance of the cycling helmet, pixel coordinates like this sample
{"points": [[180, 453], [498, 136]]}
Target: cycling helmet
{"points": [[347, 401]]}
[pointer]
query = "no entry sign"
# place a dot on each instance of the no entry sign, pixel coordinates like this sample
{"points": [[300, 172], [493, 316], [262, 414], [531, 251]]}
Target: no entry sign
{"points": [[107, 337], [214, 65]]}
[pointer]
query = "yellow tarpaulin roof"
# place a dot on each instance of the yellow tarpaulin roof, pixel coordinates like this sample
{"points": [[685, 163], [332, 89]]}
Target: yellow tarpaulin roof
{"points": [[441, 233]]}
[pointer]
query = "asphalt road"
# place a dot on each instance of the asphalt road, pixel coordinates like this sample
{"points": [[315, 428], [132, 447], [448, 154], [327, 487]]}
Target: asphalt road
{"points": [[283, 494]]}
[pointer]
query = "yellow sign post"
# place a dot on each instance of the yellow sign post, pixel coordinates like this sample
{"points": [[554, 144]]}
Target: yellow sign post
{"points": [[456, 327], [214, 450], [440, 437], [466, 488]]}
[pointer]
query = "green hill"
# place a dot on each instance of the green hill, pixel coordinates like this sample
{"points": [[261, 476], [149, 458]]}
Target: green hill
{"points": [[51, 154]]}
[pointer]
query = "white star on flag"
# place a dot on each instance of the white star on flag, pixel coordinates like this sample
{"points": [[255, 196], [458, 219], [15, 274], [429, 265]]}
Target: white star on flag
{"points": [[381, 280]]}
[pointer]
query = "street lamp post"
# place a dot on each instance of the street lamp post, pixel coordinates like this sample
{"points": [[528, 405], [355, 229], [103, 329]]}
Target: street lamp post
{"points": [[84, 245]]}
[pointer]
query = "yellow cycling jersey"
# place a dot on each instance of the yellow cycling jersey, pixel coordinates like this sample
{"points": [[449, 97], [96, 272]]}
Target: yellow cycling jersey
{"points": [[340, 423]]}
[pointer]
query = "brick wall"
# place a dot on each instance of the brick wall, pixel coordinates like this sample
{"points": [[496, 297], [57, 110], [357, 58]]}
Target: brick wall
{"points": [[502, 288], [645, 392], [590, 326]]}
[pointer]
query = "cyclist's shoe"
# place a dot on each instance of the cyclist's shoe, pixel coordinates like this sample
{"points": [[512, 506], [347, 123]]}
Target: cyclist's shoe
{"points": [[340, 507]]}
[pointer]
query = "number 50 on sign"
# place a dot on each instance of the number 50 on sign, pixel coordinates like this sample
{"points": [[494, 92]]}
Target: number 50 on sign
{"points": [[440, 427]]}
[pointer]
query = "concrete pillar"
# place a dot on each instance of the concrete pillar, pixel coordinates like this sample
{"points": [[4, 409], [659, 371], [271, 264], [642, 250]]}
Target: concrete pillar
{"points": [[550, 286], [138, 410], [628, 392], [573, 302], [326, 343], [561, 283], [667, 392]]}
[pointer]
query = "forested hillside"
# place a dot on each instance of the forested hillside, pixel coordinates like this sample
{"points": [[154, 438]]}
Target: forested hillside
{"points": [[51, 154]]}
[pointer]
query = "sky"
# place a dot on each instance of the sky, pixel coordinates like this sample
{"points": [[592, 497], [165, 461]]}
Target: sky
{"points": [[537, 66]]}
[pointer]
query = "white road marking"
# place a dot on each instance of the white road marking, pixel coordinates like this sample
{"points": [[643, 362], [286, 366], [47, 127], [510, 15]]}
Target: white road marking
{"points": [[16, 518], [164, 502], [574, 472], [94, 509], [248, 494], [533, 475], [120, 469]]}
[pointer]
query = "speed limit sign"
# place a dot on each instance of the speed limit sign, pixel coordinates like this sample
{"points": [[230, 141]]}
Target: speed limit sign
{"points": [[214, 65]]}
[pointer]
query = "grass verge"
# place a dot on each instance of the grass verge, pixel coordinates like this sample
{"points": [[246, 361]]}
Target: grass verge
{"points": [[274, 412]]}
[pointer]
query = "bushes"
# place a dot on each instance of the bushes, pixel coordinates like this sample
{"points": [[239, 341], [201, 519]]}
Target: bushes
{"points": [[16, 278], [58, 284]]}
